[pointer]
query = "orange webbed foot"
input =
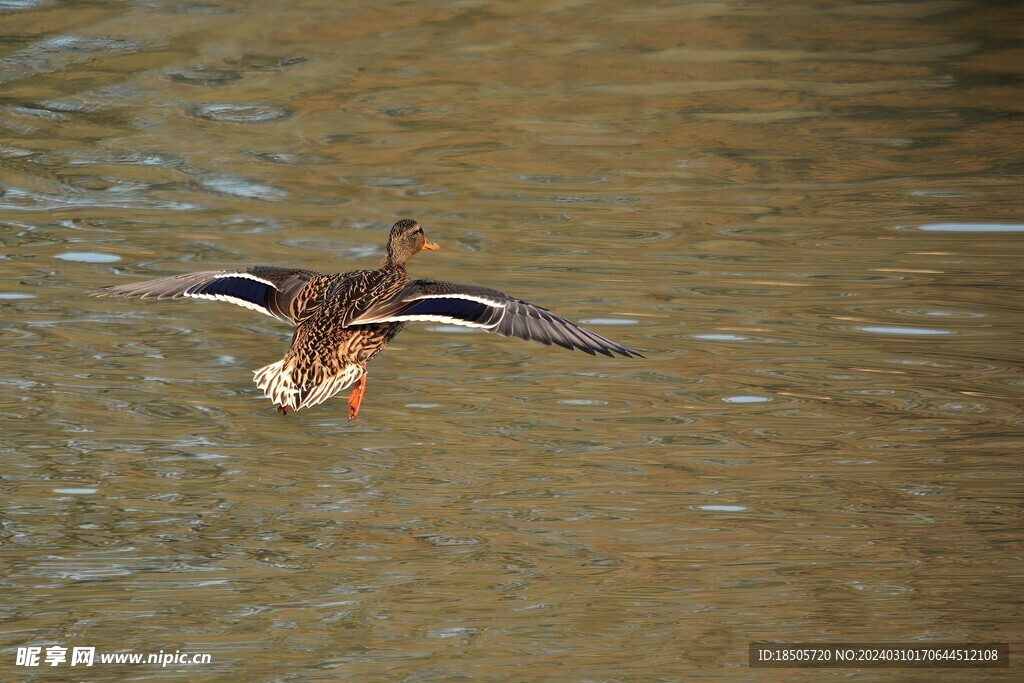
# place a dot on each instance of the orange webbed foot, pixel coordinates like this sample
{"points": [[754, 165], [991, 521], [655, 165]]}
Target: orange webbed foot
{"points": [[355, 399]]}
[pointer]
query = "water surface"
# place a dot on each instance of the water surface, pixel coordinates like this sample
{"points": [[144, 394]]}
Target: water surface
{"points": [[807, 217]]}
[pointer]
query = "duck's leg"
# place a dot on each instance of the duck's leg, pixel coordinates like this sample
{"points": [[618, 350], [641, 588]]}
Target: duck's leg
{"points": [[283, 410], [355, 399]]}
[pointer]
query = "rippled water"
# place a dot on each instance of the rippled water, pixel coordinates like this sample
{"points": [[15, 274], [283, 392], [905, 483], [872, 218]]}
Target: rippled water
{"points": [[807, 216]]}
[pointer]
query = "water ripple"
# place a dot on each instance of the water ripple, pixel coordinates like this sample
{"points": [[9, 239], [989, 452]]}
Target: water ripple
{"points": [[886, 329], [240, 113], [58, 52], [972, 227], [204, 76], [237, 186], [89, 257]]}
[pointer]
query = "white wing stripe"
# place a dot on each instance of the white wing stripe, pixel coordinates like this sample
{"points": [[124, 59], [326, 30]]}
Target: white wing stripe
{"points": [[233, 300], [429, 319], [244, 276], [468, 297]]}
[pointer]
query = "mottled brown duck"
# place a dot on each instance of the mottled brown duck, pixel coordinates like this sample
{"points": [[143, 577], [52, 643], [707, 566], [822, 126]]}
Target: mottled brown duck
{"points": [[343, 320]]}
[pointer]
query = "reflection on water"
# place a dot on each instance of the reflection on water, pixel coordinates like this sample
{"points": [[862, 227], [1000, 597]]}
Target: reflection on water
{"points": [[972, 227], [804, 216]]}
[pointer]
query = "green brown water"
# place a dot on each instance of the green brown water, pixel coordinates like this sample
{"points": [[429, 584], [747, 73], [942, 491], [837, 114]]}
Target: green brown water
{"points": [[793, 209]]}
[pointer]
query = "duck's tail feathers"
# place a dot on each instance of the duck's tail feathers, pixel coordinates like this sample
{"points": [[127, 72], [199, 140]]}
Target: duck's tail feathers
{"points": [[287, 387]]}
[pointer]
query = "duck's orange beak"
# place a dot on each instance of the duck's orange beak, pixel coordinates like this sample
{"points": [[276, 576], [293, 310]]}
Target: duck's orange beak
{"points": [[431, 246]]}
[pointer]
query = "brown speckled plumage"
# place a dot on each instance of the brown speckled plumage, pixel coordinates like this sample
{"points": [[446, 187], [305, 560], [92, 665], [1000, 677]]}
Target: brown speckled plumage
{"points": [[325, 357], [345, 319]]}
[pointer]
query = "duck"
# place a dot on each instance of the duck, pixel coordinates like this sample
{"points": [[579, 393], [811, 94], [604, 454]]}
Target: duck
{"points": [[343, 320]]}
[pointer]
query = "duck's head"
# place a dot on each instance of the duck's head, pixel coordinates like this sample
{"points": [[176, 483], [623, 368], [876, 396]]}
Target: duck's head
{"points": [[406, 240]]}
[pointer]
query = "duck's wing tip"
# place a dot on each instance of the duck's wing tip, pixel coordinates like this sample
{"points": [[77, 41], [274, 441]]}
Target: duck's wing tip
{"points": [[491, 311], [266, 289]]}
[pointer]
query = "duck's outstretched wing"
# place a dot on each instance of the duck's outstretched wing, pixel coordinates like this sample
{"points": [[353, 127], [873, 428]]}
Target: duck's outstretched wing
{"points": [[487, 310], [277, 292]]}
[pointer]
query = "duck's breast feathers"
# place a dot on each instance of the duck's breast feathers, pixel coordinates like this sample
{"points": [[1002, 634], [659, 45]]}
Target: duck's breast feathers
{"points": [[488, 310], [277, 292]]}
